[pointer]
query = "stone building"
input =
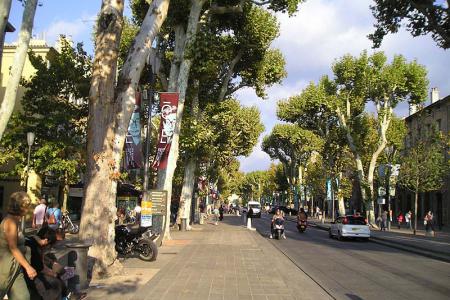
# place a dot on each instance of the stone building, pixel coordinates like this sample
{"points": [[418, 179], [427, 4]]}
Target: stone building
{"points": [[419, 124]]}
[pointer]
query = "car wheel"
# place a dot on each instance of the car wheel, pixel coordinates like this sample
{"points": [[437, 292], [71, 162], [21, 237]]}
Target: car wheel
{"points": [[340, 237], [365, 239]]}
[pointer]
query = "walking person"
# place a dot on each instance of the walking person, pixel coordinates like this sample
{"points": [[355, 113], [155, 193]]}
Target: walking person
{"points": [[383, 220], [216, 216], [13, 263], [39, 214], [428, 221], [399, 220], [408, 216]]}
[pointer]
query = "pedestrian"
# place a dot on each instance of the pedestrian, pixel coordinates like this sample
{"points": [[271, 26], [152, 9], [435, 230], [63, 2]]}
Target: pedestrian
{"points": [[428, 221], [39, 214], [13, 263], [47, 284], [399, 220], [408, 216], [221, 212], [317, 212], [216, 216], [383, 220], [54, 216]]}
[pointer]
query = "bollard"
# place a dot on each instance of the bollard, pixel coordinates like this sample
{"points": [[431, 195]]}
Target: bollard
{"points": [[202, 218], [77, 258], [249, 223], [183, 224]]}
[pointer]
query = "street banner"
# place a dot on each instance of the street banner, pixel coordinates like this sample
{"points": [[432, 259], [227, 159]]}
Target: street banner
{"points": [[133, 146], [168, 103], [146, 213], [328, 186]]}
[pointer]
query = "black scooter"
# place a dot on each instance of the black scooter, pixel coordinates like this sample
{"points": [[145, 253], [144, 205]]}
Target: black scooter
{"points": [[301, 225], [133, 239]]}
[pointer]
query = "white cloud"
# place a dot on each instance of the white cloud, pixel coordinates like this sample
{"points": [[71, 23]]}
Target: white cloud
{"points": [[79, 30], [323, 31]]}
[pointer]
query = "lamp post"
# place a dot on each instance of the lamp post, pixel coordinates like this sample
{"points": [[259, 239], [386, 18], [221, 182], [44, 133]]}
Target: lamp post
{"points": [[389, 150], [30, 142]]}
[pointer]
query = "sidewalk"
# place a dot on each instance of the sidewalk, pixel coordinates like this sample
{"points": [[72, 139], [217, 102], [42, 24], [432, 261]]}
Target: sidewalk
{"points": [[434, 247], [226, 261]]}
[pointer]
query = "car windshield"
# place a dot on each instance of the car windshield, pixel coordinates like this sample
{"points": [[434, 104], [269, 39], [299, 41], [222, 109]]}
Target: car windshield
{"points": [[356, 220], [254, 205]]}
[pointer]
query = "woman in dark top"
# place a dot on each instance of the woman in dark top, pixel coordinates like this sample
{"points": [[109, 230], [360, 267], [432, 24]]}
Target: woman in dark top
{"points": [[47, 284]]}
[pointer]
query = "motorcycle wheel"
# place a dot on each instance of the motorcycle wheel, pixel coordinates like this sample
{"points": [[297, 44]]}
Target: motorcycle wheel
{"points": [[74, 229], [278, 235], [148, 250]]}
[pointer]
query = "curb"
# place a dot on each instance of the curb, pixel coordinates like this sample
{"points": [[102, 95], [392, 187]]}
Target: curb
{"points": [[400, 246]]}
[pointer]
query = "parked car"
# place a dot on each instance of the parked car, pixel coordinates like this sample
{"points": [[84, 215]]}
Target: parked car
{"points": [[350, 226]]}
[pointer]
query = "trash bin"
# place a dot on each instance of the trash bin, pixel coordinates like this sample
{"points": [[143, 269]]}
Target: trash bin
{"points": [[183, 224], [77, 258]]}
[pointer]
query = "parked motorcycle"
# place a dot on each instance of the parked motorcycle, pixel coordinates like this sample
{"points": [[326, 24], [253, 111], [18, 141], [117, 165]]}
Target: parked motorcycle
{"points": [[133, 239], [301, 225], [67, 224], [278, 228]]}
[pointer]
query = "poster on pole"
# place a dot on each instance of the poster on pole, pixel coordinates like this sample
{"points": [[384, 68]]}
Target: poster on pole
{"points": [[133, 146], [328, 186], [169, 104], [146, 213]]}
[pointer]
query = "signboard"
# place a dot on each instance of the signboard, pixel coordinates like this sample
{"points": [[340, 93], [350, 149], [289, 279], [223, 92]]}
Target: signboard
{"points": [[380, 200], [381, 191], [158, 200], [146, 214]]}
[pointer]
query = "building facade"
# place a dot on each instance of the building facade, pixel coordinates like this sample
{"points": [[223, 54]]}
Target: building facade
{"points": [[420, 123]]}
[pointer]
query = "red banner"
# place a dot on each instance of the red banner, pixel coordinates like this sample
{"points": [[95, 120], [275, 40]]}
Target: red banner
{"points": [[169, 104]]}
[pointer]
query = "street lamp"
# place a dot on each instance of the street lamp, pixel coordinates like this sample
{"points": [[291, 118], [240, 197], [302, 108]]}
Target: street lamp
{"points": [[389, 150], [30, 142]]}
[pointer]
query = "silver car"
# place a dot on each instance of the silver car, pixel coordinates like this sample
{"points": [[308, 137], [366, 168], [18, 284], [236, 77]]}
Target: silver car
{"points": [[350, 226]]}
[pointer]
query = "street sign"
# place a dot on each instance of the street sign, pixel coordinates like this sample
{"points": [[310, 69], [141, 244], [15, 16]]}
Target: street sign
{"points": [[392, 191], [381, 191], [380, 200], [158, 199]]}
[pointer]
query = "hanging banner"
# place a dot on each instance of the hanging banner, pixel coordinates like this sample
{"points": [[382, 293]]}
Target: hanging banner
{"points": [[328, 187], [146, 213], [133, 146], [169, 104]]}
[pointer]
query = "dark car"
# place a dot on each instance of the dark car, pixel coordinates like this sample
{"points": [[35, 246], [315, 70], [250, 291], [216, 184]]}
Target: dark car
{"points": [[284, 209]]}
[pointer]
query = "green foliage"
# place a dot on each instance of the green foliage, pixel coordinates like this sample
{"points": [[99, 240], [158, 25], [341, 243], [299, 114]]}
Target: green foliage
{"points": [[424, 166], [420, 17], [129, 32], [54, 107]]}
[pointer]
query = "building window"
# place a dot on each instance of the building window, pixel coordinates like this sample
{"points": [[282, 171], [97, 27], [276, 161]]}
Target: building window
{"points": [[439, 124]]}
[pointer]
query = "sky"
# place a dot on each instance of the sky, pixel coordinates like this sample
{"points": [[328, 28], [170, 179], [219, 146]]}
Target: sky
{"points": [[320, 32]]}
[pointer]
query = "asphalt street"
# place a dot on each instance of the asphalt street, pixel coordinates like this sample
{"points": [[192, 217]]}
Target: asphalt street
{"points": [[353, 269]]}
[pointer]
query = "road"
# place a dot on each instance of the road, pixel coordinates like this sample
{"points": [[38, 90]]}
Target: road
{"points": [[361, 270]]}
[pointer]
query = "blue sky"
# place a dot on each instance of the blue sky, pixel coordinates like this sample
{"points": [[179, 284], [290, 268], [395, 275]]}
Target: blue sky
{"points": [[320, 32]]}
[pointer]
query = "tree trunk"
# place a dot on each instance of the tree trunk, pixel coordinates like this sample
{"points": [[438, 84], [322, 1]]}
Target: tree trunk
{"points": [[165, 177], [109, 116], [9, 100], [99, 207], [341, 204], [184, 210], [5, 8], [416, 200], [65, 191]]}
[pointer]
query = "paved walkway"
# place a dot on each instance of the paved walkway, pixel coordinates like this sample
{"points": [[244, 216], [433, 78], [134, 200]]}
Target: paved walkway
{"points": [[226, 261]]}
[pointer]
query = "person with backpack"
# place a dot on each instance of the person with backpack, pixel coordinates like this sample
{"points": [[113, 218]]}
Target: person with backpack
{"points": [[54, 216], [39, 214]]}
